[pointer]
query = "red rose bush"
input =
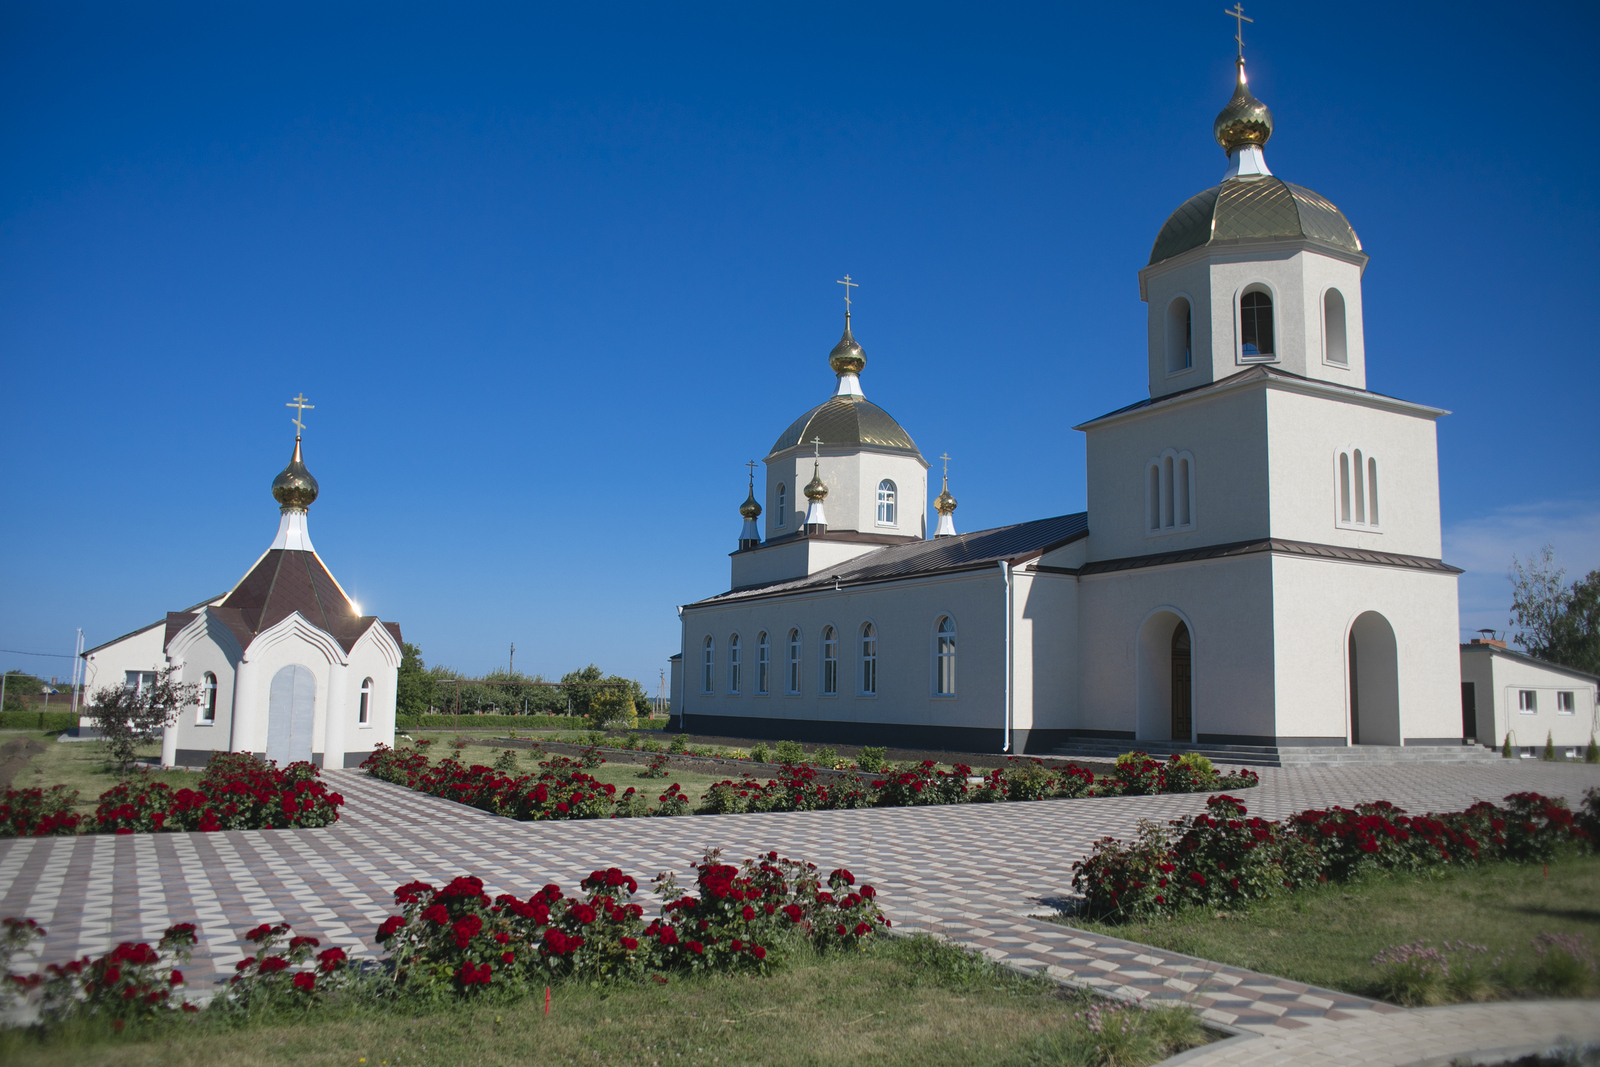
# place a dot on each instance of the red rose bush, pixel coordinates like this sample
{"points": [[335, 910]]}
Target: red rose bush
{"points": [[133, 982], [238, 791], [1223, 856], [38, 812]]}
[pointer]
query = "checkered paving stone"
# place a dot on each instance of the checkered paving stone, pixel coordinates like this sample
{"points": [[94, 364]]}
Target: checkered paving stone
{"points": [[973, 873]]}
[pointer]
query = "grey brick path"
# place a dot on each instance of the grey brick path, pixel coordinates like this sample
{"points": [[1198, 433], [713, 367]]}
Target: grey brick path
{"points": [[972, 873]]}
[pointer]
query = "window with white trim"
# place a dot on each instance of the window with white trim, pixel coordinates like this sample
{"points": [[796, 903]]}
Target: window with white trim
{"points": [[139, 681], [1566, 703], [733, 664], [1356, 489], [794, 663], [1528, 701], [763, 664], [783, 502], [1169, 493], [944, 657], [208, 698], [830, 661], [1255, 325], [1335, 348], [709, 665], [869, 659], [364, 715], [886, 510]]}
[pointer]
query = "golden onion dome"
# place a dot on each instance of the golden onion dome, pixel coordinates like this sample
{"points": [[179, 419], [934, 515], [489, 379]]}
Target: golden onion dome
{"points": [[816, 488], [944, 503], [294, 487], [1245, 120], [750, 509], [847, 357]]}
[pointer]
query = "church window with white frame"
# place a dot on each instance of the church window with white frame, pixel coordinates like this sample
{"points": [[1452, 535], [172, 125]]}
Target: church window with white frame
{"points": [[1335, 340], [1180, 335], [208, 698], [1169, 493], [944, 657], [886, 505], [708, 665], [733, 664], [1356, 488], [783, 502], [1566, 703], [793, 686], [830, 661], [1528, 701], [869, 660], [763, 664], [1255, 324], [364, 714]]}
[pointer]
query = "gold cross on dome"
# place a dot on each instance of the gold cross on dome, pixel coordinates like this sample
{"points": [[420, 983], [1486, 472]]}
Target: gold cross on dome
{"points": [[1240, 18], [848, 285], [752, 466], [946, 458], [817, 441], [301, 407]]}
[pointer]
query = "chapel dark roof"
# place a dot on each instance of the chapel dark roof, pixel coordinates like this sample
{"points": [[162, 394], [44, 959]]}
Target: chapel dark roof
{"points": [[1024, 540], [285, 581]]}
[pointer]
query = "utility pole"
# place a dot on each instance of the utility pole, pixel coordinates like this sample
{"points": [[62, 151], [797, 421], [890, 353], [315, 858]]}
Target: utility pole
{"points": [[511, 667], [78, 670]]}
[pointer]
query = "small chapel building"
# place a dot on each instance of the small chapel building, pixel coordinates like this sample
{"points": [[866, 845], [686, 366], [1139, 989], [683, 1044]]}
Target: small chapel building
{"points": [[287, 665], [1259, 563]]}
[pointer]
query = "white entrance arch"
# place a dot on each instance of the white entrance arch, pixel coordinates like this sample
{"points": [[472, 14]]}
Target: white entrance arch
{"points": [[1165, 675], [1374, 681], [291, 711]]}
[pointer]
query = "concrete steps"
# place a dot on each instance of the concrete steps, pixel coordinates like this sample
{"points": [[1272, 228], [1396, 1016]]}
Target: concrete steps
{"points": [[1274, 756]]}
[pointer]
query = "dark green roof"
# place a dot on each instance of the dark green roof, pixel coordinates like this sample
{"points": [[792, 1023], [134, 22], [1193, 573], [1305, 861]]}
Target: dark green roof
{"points": [[1253, 209]]}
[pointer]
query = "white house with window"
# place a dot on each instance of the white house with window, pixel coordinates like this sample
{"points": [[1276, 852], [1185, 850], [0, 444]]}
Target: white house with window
{"points": [[1509, 697], [1258, 563], [287, 666]]}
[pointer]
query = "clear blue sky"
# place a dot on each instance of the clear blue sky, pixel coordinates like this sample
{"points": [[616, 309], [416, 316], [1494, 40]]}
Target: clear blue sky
{"points": [[552, 274]]}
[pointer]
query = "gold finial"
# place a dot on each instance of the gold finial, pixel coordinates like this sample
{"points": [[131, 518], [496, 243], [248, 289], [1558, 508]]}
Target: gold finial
{"points": [[301, 407], [944, 503], [847, 357], [816, 488], [294, 488], [1240, 18], [848, 285], [750, 509]]}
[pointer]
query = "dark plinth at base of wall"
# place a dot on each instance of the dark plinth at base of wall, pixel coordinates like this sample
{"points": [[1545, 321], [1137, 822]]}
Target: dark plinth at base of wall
{"points": [[198, 757], [1268, 741], [1434, 741], [885, 734], [355, 759]]}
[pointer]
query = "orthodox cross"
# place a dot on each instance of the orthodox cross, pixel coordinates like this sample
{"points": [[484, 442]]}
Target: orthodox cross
{"points": [[752, 466], [817, 441], [848, 285], [300, 406], [1240, 18], [946, 458]]}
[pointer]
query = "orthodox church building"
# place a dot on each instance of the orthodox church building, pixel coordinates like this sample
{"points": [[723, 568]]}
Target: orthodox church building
{"points": [[287, 665], [1259, 564]]}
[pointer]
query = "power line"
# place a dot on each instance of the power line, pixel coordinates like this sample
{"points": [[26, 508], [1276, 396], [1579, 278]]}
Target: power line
{"points": [[56, 655]]}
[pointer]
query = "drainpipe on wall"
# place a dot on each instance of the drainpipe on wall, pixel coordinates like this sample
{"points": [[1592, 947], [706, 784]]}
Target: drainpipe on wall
{"points": [[1005, 576]]}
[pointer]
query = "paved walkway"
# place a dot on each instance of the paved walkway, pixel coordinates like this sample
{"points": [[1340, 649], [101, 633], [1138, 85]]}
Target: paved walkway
{"points": [[974, 873]]}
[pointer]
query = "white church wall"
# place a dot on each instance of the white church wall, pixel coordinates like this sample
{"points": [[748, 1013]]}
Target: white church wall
{"points": [[1227, 605], [1308, 433], [1500, 682], [904, 614], [1071, 555], [852, 479], [139, 651], [294, 641], [1315, 604], [374, 656], [790, 559], [1189, 279], [1321, 273], [1046, 639], [1225, 433], [204, 646]]}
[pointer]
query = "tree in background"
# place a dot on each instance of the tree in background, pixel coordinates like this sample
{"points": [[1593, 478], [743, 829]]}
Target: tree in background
{"points": [[129, 716], [413, 694], [580, 688], [1555, 622], [20, 684]]}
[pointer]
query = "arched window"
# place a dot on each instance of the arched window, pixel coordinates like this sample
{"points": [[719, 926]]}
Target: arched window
{"points": [[830, 661], [709, 665], [783, 502], [1255, 325], [733, 663], [208, 697], [1356, 491], [794, 663], [1170, 492], [869, 659], [1335, 349], [763, 664], [944, 657], [1180, 335], [886, 503], [364, 714]]}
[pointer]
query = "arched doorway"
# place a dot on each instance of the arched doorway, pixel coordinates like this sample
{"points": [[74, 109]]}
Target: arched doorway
{"points": [[1182, 689], [291, 710], [1374, 682], [1165, 679]]}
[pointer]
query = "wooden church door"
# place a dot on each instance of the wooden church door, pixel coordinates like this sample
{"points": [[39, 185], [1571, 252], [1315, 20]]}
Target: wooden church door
{"points": [[290, 712], [1182, 687]]}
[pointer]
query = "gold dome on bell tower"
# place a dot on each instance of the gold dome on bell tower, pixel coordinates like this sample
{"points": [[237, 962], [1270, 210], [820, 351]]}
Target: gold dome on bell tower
{"points": [[294, 487]]}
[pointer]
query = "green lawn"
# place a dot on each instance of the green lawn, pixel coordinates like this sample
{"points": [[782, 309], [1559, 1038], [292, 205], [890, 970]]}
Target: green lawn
{"points": [[1328, 936], [82, 765], [910, 1002]]}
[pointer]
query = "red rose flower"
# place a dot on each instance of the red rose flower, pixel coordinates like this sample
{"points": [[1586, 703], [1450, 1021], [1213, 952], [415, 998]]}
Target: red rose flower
{"points": [[630, 943], [758, 952], [749, 913], [329, 959], [305, 980], [696, 947]]}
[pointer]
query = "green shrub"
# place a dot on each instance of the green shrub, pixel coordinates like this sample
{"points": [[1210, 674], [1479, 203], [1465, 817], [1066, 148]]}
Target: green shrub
{"points": [[824, 757], [789, 752], [871, 760], [1565, 966], [1549, 748], [679, 745], [759, 753], [650, 744], [37, 720], [1592, 753], [486, 722], [1506, 750], [613, 707], [1411, 975], [507, 762]]}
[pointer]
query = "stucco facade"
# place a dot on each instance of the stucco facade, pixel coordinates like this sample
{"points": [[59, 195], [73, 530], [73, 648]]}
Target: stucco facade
{"points": [[1507, 696]]}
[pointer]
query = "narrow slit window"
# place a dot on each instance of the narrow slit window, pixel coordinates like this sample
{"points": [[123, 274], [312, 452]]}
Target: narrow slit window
{"points": [[1372, 491], [1182, 490], [364, 715], [830, 661], [869, 660], [794, 663], [783, 501], [1334, 327], [1155, 496], [763, 663], [208, 698], [1360, 491], [733, 663], [1166, 493], [945, 658], [709, 663]]}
